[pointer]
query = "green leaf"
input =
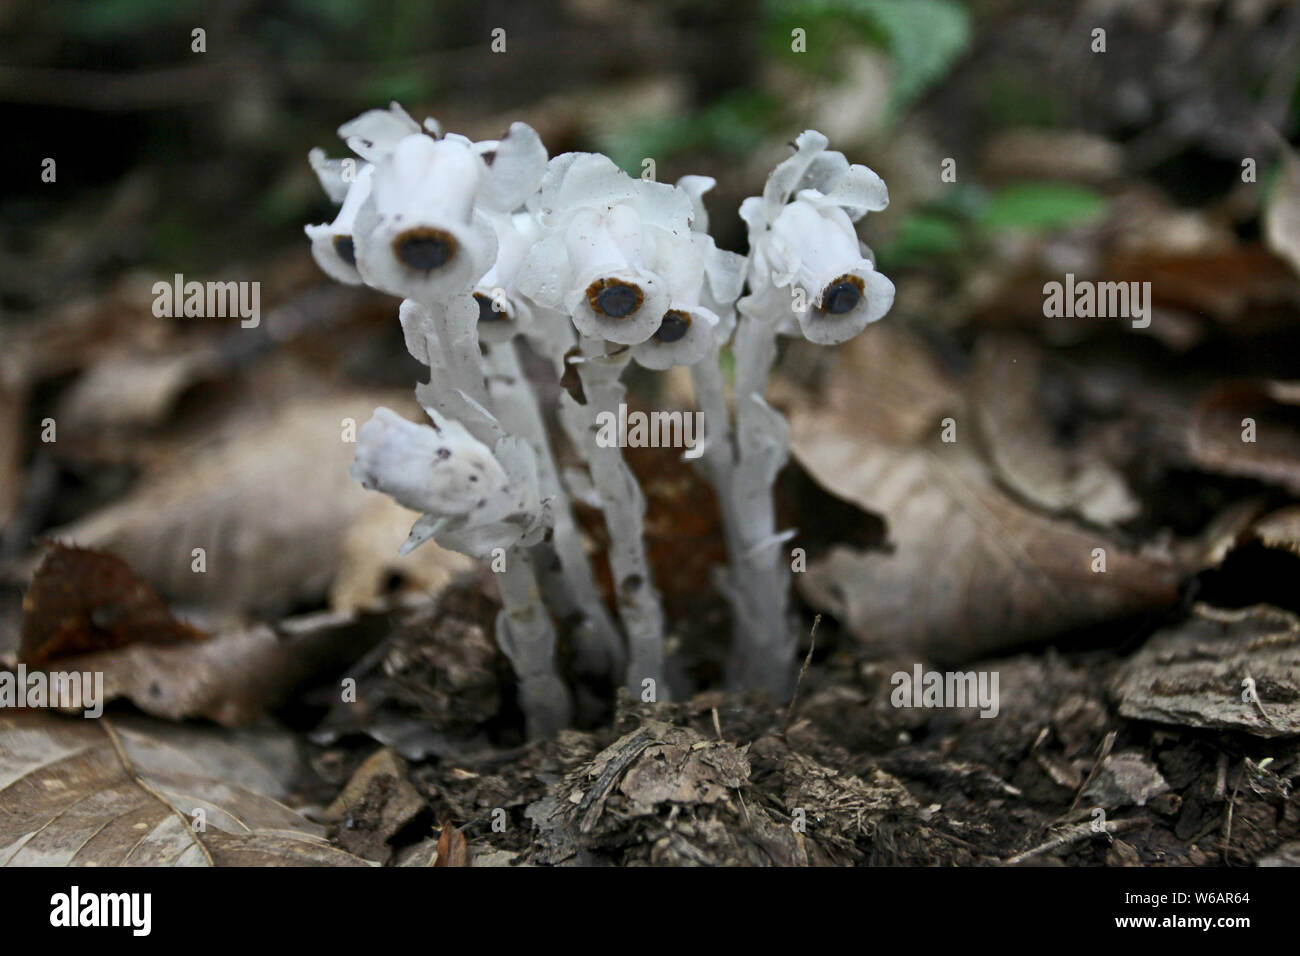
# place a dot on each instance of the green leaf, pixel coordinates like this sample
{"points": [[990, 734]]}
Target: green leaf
{"points": [[1041, 206], [921, 237]]}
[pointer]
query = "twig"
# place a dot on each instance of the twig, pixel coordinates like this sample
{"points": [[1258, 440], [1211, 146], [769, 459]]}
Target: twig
{"points": [[1107, 744], [794, 697], [1075, 834]]}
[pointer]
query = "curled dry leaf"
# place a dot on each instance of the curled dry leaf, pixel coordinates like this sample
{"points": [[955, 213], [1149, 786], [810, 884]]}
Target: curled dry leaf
{"points": [[1282, 214], [81, 601], [1199, 673], [236, 676], [1007, 383], [1251, 429], [376, 803], [267, 502], [99, 793], [969, 570], [132, 390]]}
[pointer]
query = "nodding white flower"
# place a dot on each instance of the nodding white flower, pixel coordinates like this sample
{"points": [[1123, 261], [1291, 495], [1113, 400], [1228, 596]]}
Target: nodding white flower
{"points": [[439, 469], [332, 244], [603, 233], [473, 499], [419, 236], [503, 311], [804, 245], [688, 329]]}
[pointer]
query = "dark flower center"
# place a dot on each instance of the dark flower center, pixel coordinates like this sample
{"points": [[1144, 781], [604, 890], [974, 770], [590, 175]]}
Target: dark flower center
{"points": [[425, 249], [486, 312], [842, 295], [673, 327], [614, 298], [347, 252]]}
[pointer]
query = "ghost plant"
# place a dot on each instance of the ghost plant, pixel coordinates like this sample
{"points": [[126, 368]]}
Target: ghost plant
{"points": [[491, 244]]}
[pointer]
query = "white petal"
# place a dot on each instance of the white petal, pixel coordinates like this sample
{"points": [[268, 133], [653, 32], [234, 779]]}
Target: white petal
{"points": [[858, 192], [825, 328], [544, 274], [330, 173], [441, 470], [726, 274], [663, 206], [375, 132], [327, 247], [582, 181], [696, 187], [696, 344], [783, 180], [516, 171], [423, 176], [331, 245]]}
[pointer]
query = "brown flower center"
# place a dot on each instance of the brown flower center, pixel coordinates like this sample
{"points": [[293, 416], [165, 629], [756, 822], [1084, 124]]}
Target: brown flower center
{"points": [[614, 298]]}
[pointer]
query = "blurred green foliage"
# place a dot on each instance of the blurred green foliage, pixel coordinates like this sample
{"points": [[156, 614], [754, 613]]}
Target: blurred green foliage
{"points": [[964, 219], [923, 38], [730, 126]]}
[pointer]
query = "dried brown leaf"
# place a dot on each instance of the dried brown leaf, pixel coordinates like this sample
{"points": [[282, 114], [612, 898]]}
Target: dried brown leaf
{"points": [[77, 792], [969, 570], [82, 601]]}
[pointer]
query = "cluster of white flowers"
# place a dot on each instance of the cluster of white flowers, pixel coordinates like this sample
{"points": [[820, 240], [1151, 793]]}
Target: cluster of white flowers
{"points": [[491, 242]]}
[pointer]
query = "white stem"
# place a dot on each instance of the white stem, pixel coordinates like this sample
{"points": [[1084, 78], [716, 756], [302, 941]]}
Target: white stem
{"points": [[599, 647], [624, 508], [526, 636], [764, 645], [524, 629], [719, 451]]}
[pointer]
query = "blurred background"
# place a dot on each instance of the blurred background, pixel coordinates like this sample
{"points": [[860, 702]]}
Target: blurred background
{"points": [[1114, 139]]}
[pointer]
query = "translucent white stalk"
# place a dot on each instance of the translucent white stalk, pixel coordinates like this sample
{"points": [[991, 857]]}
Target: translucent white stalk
{"points": [[764, 644], [525, 632], [624, 507], [598, 645]]}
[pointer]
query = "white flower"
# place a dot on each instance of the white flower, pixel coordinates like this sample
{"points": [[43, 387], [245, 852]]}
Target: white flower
{"points": [[603, 233], [442, 470], [473, 499], [807, 262], [687, 330], [419, 236], [502, 310], [332, 244]]}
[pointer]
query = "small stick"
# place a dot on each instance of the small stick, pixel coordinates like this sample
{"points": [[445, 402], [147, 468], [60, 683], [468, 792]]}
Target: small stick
{"points": [[1075, 834], [794, 696]]}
